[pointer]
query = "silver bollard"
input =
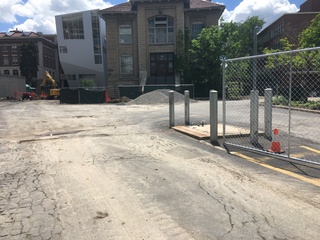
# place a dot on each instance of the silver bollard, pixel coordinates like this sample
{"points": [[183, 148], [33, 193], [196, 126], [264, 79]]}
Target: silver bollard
{"points": [[214, 117], [171, 108], [268, 113], [254, 117], [186, 108]]}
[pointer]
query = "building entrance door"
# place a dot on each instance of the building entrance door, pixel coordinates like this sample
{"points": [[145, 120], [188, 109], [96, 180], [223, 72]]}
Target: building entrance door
{"points": [[161, 68]]}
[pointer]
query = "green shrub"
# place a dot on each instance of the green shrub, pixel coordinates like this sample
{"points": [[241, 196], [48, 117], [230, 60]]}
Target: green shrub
{"points": [[234, 90], [280, 100], [86, 83], [312, 105]]}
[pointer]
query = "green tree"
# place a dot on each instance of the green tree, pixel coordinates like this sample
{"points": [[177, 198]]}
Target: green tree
{"points": [[245, 35], [279, 60], [310, 37], [229, 40], [206, 51], [229, 32], [29, 61], [182, 55]]}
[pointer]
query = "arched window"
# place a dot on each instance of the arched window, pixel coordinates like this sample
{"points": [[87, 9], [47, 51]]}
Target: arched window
{"points": [[161, 30]]}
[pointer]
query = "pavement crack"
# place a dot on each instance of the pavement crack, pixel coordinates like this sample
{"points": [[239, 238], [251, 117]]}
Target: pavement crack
{"points": [[260, 234], [224, 207]]}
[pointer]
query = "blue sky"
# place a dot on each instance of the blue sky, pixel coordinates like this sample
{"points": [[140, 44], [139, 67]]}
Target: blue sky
{"points": [[38, 15]]}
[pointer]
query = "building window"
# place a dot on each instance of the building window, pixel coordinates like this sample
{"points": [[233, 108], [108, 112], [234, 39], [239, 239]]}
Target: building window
{"points": [[7, 72], [196, 29], [63, 49], [14, 60], [265, 38], [97, 59], [96, 38], [277, 30], [277, 46], [14, 48], [15, 72], [126, 64], [125, 34], [71, 77], [5, 49], [96, 33], [5, 60], [161, 30], [73, 26]]}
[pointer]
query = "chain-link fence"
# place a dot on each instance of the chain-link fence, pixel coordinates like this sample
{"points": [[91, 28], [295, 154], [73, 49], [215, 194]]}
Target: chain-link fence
{"points": [[272, 104]]}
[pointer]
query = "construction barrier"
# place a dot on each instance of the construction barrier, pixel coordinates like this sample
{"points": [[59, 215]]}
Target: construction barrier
{"points": [[83, 95], [279, 91]]}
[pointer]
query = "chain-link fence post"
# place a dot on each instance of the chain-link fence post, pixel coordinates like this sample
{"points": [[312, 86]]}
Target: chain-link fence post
{"points": [[224, 97], [290, 99], [268, 113], [254, 116]]}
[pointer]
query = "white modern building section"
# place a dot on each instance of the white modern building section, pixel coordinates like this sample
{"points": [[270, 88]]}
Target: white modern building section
{"points": [[81, 47]]}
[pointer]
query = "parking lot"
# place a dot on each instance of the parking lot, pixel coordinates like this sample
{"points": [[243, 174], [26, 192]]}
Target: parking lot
{"points": [[117, 171]]}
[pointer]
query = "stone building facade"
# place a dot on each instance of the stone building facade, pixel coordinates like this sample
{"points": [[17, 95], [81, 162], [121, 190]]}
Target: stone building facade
{"points": [[141, 38]]}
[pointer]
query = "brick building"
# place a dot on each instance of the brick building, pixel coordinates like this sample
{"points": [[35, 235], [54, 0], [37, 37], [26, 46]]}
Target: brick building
{"points": [[289, 25], [141, 38], [10, 43]]}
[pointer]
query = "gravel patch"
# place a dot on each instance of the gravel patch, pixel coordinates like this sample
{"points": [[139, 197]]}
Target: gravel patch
{"points": [[160, 96]]}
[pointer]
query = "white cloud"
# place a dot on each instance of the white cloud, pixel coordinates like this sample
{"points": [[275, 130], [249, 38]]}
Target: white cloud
{"points": [[7, 11], [268, 10], [40, 14]]}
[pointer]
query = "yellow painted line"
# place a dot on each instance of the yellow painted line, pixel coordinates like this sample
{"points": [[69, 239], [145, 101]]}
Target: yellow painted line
{"points": [[311, 149], [298, 155], [315, 181]]}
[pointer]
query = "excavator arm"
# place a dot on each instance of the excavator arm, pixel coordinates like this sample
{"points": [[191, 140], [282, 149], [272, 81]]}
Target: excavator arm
{"points": [[54, 92], [48, 77]]}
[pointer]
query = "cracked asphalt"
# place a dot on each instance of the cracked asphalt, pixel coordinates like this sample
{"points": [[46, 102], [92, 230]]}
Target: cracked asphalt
{"points": [[115, 171]]}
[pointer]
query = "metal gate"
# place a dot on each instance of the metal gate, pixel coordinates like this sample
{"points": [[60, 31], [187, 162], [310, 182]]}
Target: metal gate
{"points": [[271, 104]]}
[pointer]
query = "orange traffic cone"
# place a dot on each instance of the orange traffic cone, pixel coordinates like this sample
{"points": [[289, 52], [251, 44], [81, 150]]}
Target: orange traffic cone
{"points": [[107, 97], [275, 144]]}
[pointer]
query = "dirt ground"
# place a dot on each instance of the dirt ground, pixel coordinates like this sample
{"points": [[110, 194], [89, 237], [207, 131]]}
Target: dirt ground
{"points": [[116, 171]]}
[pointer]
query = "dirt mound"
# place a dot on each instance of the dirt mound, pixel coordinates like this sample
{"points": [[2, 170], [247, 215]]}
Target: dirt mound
{"points": [[123, 99], [160, 96]]}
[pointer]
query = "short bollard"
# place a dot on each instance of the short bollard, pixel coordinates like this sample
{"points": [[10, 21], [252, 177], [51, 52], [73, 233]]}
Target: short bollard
{"points": [[214, 117]]}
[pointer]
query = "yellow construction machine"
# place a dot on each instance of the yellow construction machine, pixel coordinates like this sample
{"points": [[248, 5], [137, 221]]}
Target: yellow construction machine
{"points": [[54, 92]]}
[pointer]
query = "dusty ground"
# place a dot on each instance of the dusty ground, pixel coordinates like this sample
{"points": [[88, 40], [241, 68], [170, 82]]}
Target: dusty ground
{"points": [[117, 172]]}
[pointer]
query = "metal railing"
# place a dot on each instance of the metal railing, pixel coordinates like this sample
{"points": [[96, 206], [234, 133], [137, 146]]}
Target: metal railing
{"points": [[275, 91]]}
